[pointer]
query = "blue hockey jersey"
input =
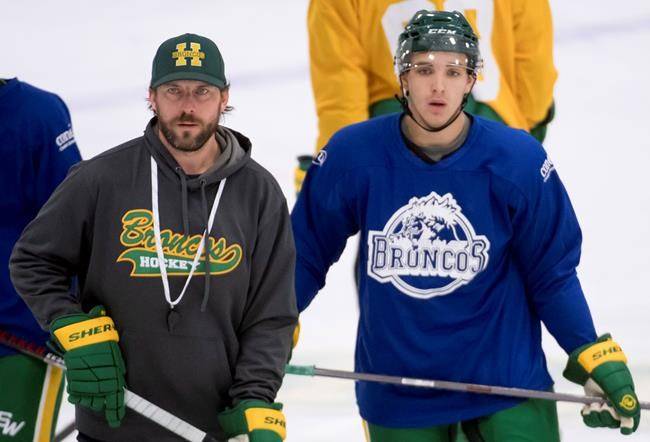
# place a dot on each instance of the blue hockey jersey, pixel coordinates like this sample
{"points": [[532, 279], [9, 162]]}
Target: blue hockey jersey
{"points": [[37, 148], [460, 262]]}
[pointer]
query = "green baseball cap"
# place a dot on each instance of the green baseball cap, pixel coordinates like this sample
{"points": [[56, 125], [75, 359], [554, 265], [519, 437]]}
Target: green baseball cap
{"points": [[188, 57]]}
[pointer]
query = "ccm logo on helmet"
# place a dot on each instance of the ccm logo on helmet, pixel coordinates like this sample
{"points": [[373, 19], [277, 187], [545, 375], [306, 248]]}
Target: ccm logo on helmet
{"points": [[442, 31], [89, 332]]}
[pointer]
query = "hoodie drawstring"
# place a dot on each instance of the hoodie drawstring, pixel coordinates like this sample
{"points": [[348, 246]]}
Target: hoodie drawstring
{"points": [[184, 209], [203, 244], [206, 247]]}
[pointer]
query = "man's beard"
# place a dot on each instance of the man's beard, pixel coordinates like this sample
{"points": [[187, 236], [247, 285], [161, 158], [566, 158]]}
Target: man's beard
{"points": [[185, 142]]}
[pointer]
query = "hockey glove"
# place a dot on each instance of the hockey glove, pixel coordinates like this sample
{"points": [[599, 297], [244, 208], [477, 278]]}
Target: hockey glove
{"points": [[601, 368], [94, 366], [259, 420], [304, 161]]}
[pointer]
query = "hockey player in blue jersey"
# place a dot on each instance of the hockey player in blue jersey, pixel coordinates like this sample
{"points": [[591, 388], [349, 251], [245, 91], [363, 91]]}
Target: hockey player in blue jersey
{"points": [[37, 147], [470, 243]]}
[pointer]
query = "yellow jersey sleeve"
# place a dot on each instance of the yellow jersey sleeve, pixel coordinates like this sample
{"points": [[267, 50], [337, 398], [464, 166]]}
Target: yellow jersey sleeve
{"points": [[534, 68], [337, 66]]}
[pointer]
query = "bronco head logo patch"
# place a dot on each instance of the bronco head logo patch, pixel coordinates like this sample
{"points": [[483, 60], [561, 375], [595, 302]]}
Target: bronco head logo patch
{"points": [[427, 248]]}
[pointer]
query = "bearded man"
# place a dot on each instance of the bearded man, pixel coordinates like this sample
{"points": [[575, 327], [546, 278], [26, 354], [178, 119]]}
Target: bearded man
{"points": [[182, 244]]}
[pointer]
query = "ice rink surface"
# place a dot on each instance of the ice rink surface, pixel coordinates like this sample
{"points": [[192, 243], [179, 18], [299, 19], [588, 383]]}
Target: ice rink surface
{"points": [[97, 57]]}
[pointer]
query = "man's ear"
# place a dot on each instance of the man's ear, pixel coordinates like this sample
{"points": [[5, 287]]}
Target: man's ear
{"points": [[152, 100], [405, 85], [225, 94], [471, 79]]}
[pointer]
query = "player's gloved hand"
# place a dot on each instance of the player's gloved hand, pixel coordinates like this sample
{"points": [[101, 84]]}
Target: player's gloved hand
{"points": [[94, 366], [601, 367], [259, 420], [304, 161]]}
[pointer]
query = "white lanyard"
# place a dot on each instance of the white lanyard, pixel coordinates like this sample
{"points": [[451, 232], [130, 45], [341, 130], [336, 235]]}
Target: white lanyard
{"points": [[156, 229]]}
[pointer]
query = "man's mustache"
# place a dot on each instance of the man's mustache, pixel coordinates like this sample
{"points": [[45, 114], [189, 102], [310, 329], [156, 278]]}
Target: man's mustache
{"points": [[187, 118]]}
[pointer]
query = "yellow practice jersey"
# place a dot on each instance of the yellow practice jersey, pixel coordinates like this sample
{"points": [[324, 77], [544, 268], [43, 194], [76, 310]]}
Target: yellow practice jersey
{"points": [[352, 44]]}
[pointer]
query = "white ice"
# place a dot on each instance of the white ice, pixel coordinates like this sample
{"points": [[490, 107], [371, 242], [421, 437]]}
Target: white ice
{"points": [[97, 56]]}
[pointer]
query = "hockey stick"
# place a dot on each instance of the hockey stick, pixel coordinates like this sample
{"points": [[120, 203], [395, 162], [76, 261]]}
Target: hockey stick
{"points": [[67, 431], [136, 403], [311, 370]]}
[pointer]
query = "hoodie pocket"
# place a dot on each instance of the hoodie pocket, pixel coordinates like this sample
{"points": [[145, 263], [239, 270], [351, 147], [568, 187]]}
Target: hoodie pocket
{"points": [[189, 376]]}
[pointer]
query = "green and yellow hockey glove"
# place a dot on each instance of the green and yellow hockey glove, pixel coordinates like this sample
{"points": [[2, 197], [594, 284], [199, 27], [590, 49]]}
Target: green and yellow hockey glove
{"points": [[601, 367], [304, 161], [259, 420], [94, 366]]}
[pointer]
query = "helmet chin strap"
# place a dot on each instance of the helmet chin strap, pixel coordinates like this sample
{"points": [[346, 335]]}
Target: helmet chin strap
{"points": [[407, 110]]}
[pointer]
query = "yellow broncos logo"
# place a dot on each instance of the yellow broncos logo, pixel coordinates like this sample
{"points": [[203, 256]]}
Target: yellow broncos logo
{"points": [[179, 250]]}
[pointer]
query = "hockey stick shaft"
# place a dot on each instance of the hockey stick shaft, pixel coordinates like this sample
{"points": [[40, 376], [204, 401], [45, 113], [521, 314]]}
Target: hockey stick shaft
{"points": [[311, 370], [133, 401], [64, 433]]}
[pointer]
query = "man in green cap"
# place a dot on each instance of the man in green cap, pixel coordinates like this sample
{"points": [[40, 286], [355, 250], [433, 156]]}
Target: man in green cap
{"points": [[206, 334]]}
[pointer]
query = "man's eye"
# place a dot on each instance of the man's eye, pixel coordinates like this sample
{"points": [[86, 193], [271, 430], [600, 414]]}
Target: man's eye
{"points": [[172, 90], [202, 91], [424, 71]]}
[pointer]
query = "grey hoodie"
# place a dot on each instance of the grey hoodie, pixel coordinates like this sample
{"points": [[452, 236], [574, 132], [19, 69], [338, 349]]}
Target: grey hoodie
{"points": [[233, 334]]}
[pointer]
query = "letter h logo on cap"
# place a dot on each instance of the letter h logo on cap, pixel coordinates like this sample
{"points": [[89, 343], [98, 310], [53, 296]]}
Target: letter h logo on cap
{"points": [[195, 54]]}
